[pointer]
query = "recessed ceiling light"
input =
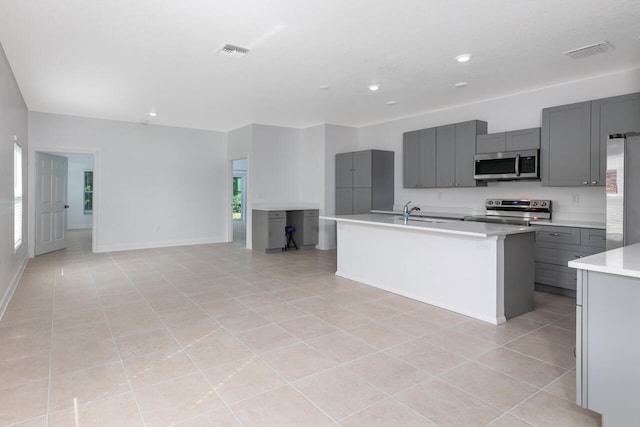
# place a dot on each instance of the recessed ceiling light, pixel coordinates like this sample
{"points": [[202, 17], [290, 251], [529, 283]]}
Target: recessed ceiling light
{"points": [[461, 84], [390, 103], [323, 87], [373, 87], [153, 113], [464, 57]]}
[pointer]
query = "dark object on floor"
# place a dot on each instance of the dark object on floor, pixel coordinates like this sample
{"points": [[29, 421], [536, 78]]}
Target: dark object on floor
{"points": [[288, 232]]}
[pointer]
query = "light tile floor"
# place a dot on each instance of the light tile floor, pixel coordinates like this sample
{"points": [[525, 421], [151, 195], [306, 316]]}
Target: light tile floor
{"points": [[218, 335]]}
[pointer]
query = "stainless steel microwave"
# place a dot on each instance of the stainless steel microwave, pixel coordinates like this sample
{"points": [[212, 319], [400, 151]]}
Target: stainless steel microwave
{"points": [[508, 165]]}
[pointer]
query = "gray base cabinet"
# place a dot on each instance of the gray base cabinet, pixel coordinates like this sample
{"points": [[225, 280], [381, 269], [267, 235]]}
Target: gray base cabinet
{"points": [[268, 230], [524, 139], [306, 223], [555, 247], [441, 157], [574, 138], [607, 353], [364, 181]]}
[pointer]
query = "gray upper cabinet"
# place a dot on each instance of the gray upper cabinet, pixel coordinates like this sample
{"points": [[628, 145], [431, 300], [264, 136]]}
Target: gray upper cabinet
{"points": [[491, 143], [446, 156], [441, 156], [465, 137], [566, 145], [419, 158], [574, 138], [362, 168], [364, 181], [618, 114], [524, 139]]}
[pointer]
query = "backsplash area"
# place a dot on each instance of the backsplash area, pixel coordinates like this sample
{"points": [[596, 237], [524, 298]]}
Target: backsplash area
{"points": [[569, 203]]}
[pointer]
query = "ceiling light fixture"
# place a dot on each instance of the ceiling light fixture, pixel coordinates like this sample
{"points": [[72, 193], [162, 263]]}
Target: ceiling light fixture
{"points": [[461, 84], [463, 57], [153, 113], [373, 87], [323, 87], [391, 103]]}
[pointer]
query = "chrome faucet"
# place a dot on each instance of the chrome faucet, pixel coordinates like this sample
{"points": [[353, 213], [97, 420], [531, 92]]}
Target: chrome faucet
{"points": [[406, 211]]}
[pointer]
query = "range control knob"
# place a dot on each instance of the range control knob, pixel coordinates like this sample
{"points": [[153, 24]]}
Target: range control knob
{"points": [[535, 204], [490, 202], [543, 204]]}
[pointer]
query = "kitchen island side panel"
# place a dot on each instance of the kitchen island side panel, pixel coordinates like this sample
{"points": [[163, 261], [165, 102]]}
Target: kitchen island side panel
{"points": [[461, 273]]}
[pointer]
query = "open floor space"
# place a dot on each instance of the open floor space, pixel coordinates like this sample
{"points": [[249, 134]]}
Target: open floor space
{"points": [[221, 335]]}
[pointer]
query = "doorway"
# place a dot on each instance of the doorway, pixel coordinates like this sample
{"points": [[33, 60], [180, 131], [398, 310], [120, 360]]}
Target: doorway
{"points": [[239, 200], [72, 224]]}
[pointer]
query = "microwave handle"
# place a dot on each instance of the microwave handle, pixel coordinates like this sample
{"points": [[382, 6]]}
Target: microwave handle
{"points": [[517, 164]]}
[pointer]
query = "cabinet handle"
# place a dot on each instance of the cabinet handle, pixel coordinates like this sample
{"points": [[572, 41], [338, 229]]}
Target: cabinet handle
{"points": [[554, 234], [577, 256], [594, 182], [585, 182]]}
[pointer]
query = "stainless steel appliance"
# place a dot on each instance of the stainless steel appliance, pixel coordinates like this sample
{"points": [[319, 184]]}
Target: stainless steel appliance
{"points": [[516, 212], [622, 189], [508, 165]]}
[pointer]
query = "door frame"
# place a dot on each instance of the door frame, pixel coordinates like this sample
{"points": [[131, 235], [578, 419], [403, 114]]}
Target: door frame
{"points": [[32, 183]]}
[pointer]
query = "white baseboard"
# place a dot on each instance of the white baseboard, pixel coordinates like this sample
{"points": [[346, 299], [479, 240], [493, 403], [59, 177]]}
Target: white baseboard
{"points": [[4, 302]]}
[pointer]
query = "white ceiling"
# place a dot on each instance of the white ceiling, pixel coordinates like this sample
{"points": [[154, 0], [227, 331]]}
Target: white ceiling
{"points": [[118, 59]]}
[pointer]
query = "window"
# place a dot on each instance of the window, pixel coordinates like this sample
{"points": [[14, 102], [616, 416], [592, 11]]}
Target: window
{"points": [[17, 195], [88, 192], [237, 198]]}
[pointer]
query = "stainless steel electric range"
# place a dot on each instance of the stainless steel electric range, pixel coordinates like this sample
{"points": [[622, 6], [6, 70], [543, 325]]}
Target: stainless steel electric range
{"points": [[516, 212]]}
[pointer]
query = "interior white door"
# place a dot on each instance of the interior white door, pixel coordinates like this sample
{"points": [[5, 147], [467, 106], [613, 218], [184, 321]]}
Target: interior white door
{"points": [[51, 203]]}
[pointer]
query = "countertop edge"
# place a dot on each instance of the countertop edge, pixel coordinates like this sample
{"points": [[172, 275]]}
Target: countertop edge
{"points": [[623, 261]]}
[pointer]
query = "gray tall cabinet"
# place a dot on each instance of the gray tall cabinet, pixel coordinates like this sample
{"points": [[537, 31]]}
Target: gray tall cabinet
{"points": [[574, 138], [441, 156], [364, 181]]}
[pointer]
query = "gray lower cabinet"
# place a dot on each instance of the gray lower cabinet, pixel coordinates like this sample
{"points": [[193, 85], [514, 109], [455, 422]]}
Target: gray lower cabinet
{"points": [[364, 181], [441, 156], [306, 223], [268, 230], [574, 138], [607, 369], [524, 139], [555, 247]]}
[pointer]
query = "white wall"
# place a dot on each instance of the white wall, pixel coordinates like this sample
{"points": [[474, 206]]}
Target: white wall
{"points": [[518, 111], [153, 185], [13, 123], [78, 164]]}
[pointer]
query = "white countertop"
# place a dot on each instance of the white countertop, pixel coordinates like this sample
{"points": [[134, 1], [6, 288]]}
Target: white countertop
{"points": [[623, 261], [453, 213], [283, 207], [465, 228]]}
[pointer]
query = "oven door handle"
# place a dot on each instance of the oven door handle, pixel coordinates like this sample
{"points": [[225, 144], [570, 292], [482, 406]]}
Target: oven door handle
{"points": [[517, 164]]}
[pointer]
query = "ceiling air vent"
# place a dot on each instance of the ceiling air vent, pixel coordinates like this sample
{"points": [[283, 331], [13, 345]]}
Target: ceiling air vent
{"points": [[593, 49], [233, 51]]}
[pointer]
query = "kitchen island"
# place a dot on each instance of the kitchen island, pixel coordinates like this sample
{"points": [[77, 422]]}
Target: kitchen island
{"points": [[607, 348], [481, 270]]}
